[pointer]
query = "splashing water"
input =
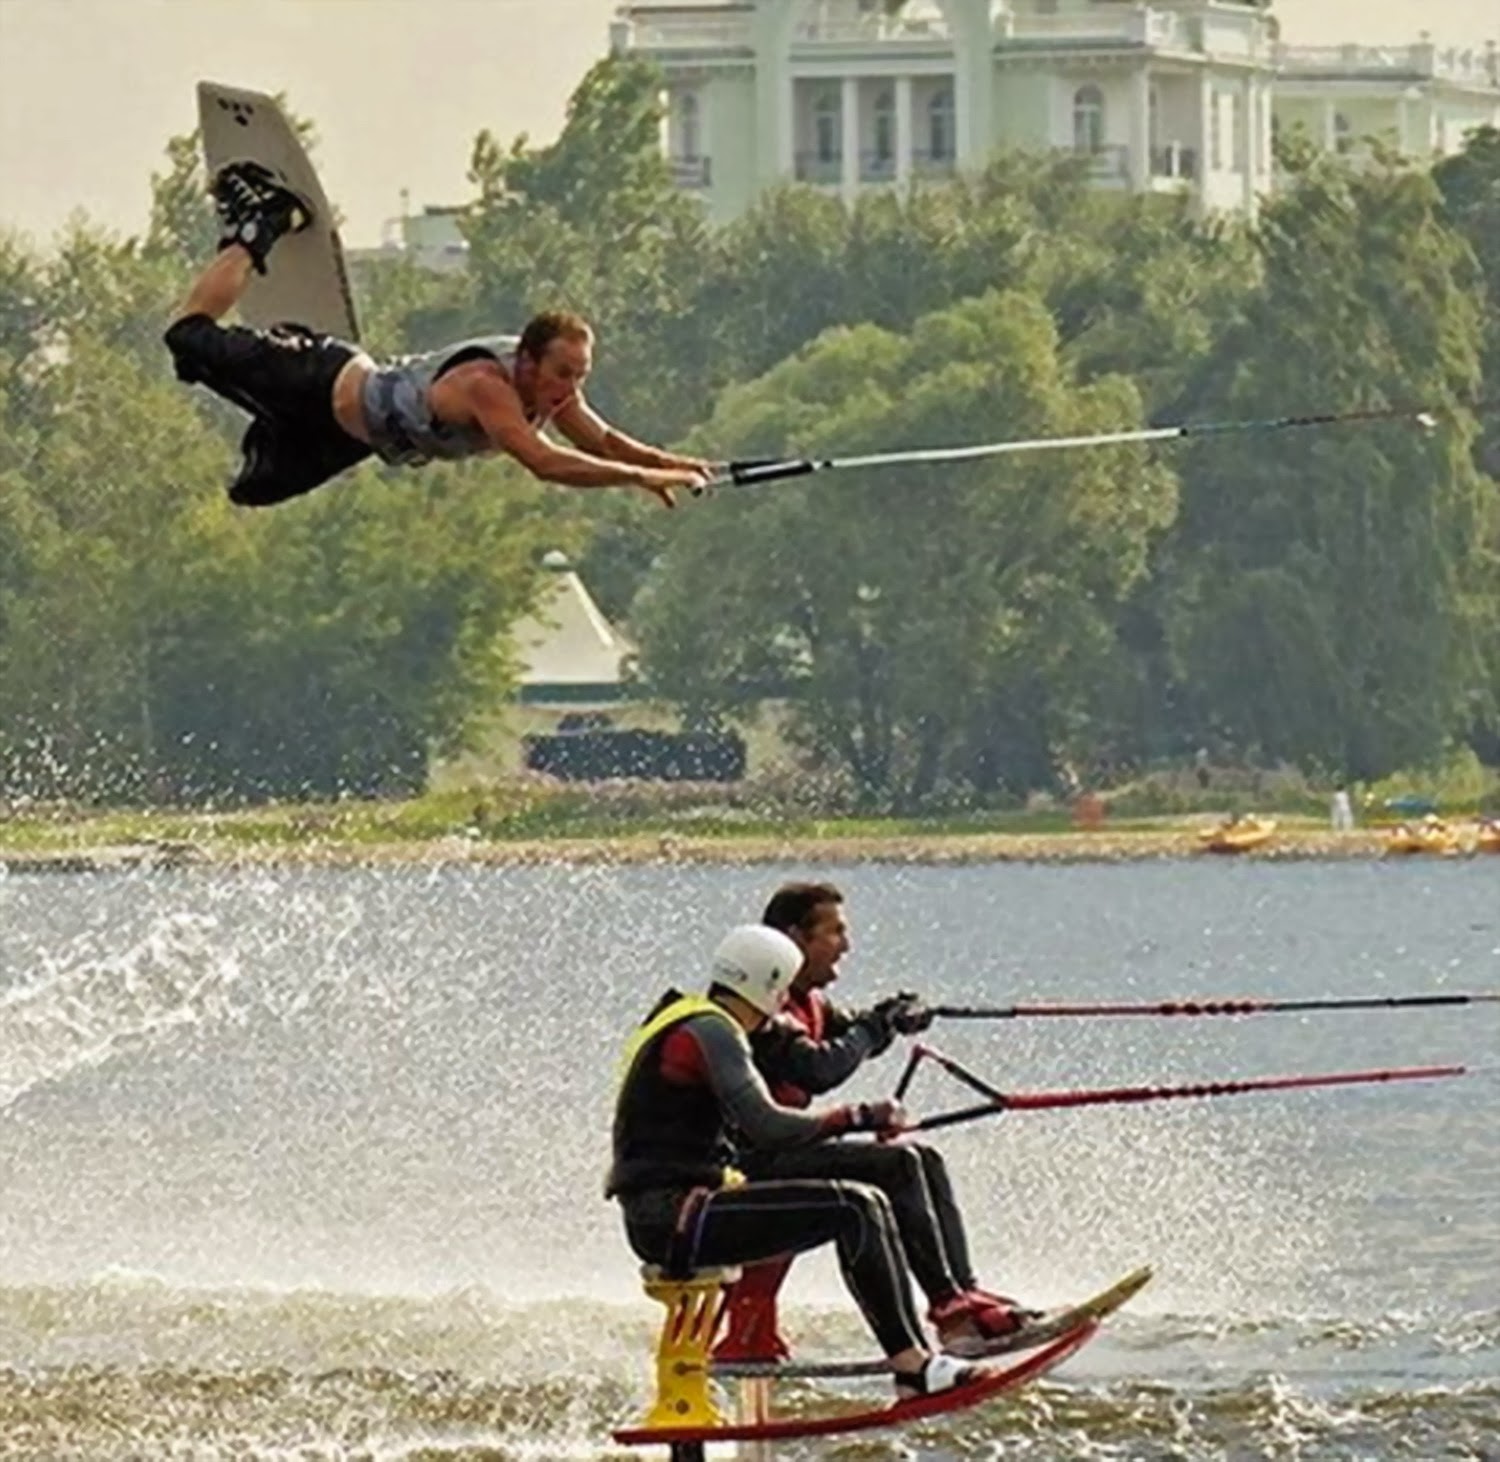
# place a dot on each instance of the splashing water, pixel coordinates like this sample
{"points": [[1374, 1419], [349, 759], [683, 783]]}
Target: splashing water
{"points": [[66, 1017], [308, 1163]]}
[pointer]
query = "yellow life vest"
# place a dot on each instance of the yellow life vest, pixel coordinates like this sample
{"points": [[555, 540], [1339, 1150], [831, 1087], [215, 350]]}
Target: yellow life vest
{"points": [[669, 1015], [679, 1010]]}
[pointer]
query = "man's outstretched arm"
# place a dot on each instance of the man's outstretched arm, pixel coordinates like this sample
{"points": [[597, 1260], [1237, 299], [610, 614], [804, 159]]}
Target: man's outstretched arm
{"points": [[499, 414], [588, 431]]}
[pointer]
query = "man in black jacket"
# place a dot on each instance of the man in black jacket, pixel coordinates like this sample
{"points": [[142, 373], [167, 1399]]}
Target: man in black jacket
{"points": [[813, 1046]]}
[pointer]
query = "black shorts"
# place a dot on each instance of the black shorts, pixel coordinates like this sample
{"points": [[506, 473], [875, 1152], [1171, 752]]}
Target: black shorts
{"points": [[284, 378]]}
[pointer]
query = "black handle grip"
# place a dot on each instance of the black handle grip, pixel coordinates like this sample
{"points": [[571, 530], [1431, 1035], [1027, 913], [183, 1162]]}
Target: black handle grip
{"points": [[753, 470]]}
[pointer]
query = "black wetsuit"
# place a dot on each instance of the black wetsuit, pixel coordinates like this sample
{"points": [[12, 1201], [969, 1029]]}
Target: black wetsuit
{"points": [[689, 1082], [809, 1049]]}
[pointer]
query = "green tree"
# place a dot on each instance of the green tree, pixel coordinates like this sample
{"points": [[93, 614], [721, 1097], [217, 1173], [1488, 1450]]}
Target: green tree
{"points": [[183, 226], [1328, 590], [155, 641], [1470, 185], [895, 611], [334, 645]]}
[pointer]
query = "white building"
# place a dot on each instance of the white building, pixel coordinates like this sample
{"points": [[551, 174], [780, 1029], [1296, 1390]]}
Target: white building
{"points": [[430, 239], [1419, 100], [1182, 94]]}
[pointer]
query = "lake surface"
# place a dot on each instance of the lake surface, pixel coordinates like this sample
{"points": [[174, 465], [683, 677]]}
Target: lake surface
{"points": [[308, 1163]]}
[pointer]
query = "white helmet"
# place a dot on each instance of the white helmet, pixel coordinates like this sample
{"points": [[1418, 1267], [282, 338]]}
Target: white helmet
{"points": [[758, 963]]}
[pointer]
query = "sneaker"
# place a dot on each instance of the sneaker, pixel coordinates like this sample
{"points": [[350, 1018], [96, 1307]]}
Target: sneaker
{"points": [[939, 1373], [255, 209], [972, 1323]]}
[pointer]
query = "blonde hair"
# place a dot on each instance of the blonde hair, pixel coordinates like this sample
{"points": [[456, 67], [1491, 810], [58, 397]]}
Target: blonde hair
{"points": [[541, 330]]}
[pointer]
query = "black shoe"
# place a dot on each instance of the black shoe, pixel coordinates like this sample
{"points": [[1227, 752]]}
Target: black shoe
{"points": [[255, 210]]}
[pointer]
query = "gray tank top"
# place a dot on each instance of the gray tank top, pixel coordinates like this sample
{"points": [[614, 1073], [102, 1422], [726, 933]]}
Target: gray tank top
{"points": [[400, 424]]}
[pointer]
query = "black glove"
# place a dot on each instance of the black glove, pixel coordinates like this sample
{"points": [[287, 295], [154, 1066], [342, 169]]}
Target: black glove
{"points": [[885, 1118], [903, 1014], [878, 1023]]}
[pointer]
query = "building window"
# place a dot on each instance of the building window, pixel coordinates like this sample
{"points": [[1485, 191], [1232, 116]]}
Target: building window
{"points": [[1216, 130], [827, 126], [940, 138], [1238, 134], [1088, 119], [689, 126], [1343, 139], [885, 125]]}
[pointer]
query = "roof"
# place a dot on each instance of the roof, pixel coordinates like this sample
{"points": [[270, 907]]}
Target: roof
{"points": [[567, 642]]}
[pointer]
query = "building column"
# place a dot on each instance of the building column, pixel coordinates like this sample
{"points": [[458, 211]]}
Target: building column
{"points": [[1249, 145], [1139, 162], [849, 117], [1403, 127], [1205, 132], [775, 120], [973, 81], [1268, 133], [903, 132]]}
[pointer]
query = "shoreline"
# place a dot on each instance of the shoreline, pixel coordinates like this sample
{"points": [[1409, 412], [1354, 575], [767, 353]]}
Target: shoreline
{"points": [[936, 849]]}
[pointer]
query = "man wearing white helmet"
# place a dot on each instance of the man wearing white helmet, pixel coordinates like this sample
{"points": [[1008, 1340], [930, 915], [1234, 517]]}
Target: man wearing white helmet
{"points": [[688, 1080]]}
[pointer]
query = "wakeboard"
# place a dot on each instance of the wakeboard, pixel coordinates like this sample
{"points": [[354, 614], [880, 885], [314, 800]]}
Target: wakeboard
{"points": [[1052, 1324], [306, 281], [1058, 1322]]}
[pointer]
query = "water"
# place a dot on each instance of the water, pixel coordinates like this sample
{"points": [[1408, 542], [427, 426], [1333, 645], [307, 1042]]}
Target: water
{"points": [[307, 1164]]}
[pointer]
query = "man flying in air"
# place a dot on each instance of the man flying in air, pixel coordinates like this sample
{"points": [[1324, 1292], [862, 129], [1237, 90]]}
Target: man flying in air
{"points": [[321, 405]]}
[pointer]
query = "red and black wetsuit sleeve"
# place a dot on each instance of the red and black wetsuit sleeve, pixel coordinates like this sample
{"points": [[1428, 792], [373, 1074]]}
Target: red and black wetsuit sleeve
{"points": [[796, 1064], [704, 1049]]}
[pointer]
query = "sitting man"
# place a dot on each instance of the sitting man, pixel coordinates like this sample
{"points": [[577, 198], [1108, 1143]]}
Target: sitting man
{"points": [[689, 1079], [811, 1047], [320, 405]]}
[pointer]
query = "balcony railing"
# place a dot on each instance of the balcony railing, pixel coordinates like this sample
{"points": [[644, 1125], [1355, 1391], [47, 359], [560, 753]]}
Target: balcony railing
{"points": [[1469, 68], [1170, 31], [846, 27], [686, 32], [691, 172], [694, 29], [932, 164], [874, 167], [1466, 68], [1173, 160], [813, 167], [1133, 27], [1107, 163]]}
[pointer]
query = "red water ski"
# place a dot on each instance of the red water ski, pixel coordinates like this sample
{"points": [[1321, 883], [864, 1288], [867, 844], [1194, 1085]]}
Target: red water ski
{"points": [[959, 1398]]}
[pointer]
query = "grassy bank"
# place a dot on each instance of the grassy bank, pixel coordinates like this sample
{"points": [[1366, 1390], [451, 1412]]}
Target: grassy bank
{"points": [[526, 824]]}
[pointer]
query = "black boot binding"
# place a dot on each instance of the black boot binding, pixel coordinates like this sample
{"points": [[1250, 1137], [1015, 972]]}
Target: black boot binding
{"points": [[255, 210]]}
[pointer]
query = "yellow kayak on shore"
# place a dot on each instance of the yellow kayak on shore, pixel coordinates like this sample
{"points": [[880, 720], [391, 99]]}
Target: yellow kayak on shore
{"points": [[1431, 835], [1238, 835], [1488, 840]]}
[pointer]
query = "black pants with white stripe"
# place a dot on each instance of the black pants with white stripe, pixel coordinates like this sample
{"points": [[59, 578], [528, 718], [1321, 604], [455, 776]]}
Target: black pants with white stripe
{"points": [[916, 1181], [708, 1229]]}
